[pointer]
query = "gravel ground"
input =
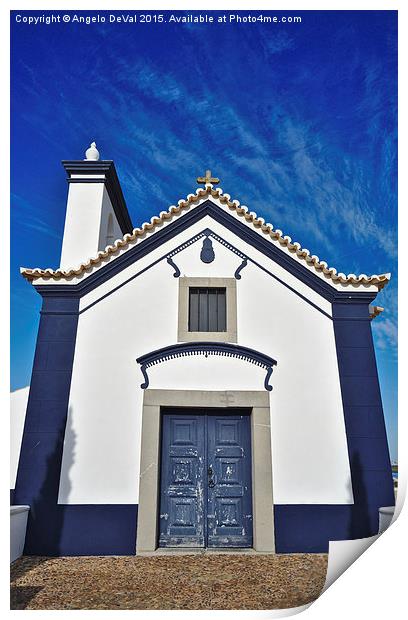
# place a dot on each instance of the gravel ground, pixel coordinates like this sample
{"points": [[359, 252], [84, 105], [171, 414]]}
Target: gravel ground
{"points": [[202, 581]]}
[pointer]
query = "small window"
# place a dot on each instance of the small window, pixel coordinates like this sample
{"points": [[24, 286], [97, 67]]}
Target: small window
{"points": [[109, 231], [207, 310]]}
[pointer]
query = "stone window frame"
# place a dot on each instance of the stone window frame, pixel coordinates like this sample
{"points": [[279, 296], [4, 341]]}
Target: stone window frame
{"points": [[150, 456], [230, 285]]}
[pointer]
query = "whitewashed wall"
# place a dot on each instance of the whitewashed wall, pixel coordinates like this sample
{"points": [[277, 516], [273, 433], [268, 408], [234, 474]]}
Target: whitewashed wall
{"points": [[18, 406], [86, 222], [102, 445]]}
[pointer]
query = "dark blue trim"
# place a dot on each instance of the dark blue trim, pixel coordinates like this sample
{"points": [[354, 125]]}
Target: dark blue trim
{"points": [[40, 460], [208, 232], [297, 269], [267, 385], [108, 529], [179, 225], [54, 289], [360, 318], [110, 181], [204, 233], [206, 348], [169, 257], [369, 458], [247, 259], [226, 244], [124, 283], [237, 274], [308, 528], [99, 529], [171, 262], [145, 383]]}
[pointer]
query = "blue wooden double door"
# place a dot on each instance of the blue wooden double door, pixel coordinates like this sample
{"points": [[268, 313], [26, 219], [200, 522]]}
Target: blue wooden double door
{"points": [[205, 487]]}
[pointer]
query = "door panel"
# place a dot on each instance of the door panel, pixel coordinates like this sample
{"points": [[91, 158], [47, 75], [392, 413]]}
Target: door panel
{"points": [[229, 517], [182, 506], [206, 497]]}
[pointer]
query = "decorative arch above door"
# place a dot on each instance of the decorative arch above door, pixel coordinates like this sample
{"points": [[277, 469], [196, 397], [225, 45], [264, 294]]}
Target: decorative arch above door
{"points": [[206, 348]]}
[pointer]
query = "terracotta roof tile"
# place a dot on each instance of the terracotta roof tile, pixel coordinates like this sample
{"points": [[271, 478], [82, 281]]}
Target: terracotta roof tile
{"points": [[295, 248]]}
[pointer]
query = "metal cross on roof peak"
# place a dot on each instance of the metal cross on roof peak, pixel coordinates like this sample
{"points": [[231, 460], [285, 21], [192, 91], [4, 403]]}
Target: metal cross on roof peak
{"points": [[208, 179]]}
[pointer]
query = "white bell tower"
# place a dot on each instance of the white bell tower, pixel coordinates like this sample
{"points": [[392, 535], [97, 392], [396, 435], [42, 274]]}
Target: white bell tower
{"points": [[96, 210]]}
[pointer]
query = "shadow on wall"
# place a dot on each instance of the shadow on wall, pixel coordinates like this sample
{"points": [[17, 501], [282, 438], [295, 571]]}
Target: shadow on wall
{"points": [[362, 523], [68, 460], [70, 529], [46, 515]]}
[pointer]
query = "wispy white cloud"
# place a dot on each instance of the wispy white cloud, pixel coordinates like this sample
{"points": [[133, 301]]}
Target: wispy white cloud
{"points": [[386, 334], [30, 220], [276, 43], [385, 327], [163, 127]]}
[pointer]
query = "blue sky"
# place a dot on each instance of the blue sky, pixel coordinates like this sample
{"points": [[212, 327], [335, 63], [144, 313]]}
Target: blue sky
{"points": [[298, 121]]}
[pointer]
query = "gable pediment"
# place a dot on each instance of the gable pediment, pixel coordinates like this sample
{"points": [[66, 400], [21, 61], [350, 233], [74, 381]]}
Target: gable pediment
{"points": [[219, 206]]}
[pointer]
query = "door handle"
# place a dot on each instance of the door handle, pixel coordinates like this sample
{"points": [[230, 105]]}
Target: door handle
{"points": [[211, 481]]}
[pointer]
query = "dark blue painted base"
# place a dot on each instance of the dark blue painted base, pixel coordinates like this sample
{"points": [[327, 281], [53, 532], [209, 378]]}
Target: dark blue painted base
{"points": [[307, 528], [75, 530], [82, 530]]}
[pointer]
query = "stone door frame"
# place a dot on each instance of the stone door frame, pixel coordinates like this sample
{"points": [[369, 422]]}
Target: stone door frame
{"points": [[149, 489]]}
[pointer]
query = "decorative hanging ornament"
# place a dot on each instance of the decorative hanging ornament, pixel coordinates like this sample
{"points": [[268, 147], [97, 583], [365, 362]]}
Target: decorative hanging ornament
{"points": [[207, 253]]}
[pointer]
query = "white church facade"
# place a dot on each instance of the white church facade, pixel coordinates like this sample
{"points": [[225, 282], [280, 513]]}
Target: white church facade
{"points": [[199, 382]]}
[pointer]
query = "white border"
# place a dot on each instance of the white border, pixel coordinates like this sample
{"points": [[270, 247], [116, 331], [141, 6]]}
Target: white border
{"points": [[375, 585]]}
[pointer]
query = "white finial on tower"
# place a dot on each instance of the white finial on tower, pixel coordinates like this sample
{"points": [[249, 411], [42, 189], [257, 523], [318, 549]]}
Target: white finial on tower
{"points": [[92, 154]]}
